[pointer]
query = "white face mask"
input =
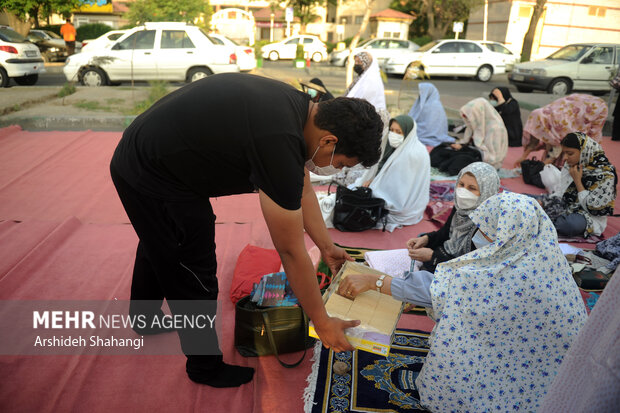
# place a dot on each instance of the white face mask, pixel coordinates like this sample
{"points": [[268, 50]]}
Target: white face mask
{"points": [[322, 170], [465, 199], [479, 240], [395, 139]]}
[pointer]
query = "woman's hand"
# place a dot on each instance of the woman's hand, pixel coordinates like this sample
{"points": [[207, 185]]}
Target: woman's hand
{"points": [[517, 163], [421, 254], [419, 242], [576, 172], [367, 183], [355, 284], [456, 146]]}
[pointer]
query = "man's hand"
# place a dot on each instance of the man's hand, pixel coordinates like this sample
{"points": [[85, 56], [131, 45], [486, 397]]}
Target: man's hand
{"points": [[331, 333], [335, 257], [355, 284], [456, 146], [421, 254], [419, 242]]}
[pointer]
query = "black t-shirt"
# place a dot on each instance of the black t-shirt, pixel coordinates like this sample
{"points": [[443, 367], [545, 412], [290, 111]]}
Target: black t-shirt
{"points": [[227, 134]]}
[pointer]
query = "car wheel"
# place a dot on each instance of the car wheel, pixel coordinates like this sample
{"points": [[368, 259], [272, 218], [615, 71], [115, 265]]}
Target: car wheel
{"points": [[560, 87], [93, 77], [524, 89], [198, 73], [4, 78], [27, 80], [317, 57], [273, 56], [484, 73]]}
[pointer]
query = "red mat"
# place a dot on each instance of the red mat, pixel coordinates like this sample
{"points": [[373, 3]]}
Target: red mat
{"points": [[64, 235]]}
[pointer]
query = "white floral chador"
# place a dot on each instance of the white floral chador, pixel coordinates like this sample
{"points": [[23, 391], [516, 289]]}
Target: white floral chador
{"points": [[506, 314]]}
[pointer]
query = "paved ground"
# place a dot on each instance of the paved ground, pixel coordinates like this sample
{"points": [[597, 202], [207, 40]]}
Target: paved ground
{"points": [[113, 108]]}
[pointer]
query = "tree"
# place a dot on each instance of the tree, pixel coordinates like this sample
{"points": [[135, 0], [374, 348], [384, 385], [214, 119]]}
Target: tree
{"points": [[439, 14], [141, 11], [23, 14], [304, 10], [528, 39]]}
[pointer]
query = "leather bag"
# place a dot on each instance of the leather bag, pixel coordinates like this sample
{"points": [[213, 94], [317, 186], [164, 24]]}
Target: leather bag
{"points": [[530, 169], [264, 331], [357, 210]]}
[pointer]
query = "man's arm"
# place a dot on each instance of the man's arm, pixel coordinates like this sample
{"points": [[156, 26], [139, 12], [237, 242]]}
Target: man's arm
{"points": [[286, 230], [314, 225]]}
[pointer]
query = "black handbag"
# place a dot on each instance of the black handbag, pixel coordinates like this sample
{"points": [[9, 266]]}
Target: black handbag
{"points": [[264, 331], [530, 169], [357, 210]]}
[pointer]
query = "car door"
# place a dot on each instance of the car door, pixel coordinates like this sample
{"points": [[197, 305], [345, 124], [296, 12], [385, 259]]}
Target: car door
{"points": [[440, 60], [595, 69], [288, 49], [132, 57], [176, 54], [468, 59], [377, 48]]}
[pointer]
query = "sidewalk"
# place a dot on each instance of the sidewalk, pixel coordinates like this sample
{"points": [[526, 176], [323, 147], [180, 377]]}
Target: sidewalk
{"points": [[112, 108]]}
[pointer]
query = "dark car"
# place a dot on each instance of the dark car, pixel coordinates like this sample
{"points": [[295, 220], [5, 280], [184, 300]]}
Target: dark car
{"points": [[51, 45]]}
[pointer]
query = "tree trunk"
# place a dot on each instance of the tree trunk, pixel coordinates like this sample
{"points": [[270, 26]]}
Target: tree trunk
{"points": [[528, 40], [355, 40], [20, 26]]}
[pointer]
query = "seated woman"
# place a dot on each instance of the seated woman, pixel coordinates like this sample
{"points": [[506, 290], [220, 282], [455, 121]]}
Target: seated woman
{"points": [[430, 117], [317, 90], [587, 190], [475, 184], [508, 108], [546, 126], [403, 175], [505, 313], [485, 139]]}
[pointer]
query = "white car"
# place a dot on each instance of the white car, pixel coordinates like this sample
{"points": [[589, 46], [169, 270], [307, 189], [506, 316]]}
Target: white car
{"points": [[102, 42], [314, 48], [452, 57], [53, 47], [245, 54], [156, 51], [512, 58], [381, 48], [20, 60]]}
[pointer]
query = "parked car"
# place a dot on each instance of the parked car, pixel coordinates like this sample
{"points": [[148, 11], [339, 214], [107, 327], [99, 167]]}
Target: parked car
{"points": [[52, 46], [381, 48], [245, 54], [512, 58], [20, 60], [154, 51], [582, 66], [102, 42], [451, 57], [314, 48]]}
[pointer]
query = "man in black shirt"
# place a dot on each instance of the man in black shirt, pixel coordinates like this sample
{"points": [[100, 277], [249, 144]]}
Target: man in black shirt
{"points": [[231, 134]]}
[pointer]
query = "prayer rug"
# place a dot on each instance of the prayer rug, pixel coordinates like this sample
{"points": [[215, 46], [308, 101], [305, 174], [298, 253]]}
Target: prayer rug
{"points": [[592, 239], [590, 297], [372, 383]]}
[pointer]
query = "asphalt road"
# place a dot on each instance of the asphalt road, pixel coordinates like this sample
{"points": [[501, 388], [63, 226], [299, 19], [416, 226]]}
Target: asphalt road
{"points": [[448, 85]]}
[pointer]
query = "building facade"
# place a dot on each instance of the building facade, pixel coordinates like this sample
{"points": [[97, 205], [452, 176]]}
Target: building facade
{"points": [[563, 22]]}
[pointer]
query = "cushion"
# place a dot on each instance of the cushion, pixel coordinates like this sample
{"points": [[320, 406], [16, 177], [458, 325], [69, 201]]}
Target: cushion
{"points": [[252, 264]]}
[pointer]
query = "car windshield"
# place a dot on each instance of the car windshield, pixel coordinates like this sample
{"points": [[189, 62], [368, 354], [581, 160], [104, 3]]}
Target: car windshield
{"points": [[428, 46], [52, 34], [11, 36], [571, 53], [231, 40]]}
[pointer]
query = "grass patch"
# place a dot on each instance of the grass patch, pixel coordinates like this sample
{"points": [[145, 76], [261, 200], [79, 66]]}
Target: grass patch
{"points": [[92, 105], [114, 101], [67, 89], [158, 89]]}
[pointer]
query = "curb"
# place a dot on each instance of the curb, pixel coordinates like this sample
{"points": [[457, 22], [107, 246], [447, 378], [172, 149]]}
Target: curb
{"points": [[102, 123]]}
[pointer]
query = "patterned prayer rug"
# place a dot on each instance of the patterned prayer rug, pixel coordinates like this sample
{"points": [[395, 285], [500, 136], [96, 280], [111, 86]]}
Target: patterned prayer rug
{"points": [[372, 383]]}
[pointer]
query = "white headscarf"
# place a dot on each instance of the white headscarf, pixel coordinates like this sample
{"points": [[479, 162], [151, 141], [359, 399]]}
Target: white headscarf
{"points": [[404, 183], [486, 129], [506, 314], [369, 86]]}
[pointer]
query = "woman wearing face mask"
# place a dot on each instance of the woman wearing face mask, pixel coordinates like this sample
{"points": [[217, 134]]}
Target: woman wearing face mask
{"points": [[505, 313], [402, 176], [476, 183], [586, 194], [508, 108], [368, 84]]}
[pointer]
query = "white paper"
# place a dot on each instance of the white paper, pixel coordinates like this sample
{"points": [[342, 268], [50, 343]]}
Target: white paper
{"points": [[391, 262], [569, 249]]}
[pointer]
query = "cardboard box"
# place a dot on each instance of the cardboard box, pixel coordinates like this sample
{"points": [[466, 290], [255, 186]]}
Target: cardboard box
{"points": [[379, 313]]}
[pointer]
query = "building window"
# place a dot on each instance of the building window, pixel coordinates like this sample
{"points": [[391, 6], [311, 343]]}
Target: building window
{"points": [[359, 19], [395, 35], [525, 11], [387, 34], [597, 11], [330, 37]]}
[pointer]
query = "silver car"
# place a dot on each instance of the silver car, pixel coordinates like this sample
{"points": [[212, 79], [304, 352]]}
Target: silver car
{"points": [[382, 49]]}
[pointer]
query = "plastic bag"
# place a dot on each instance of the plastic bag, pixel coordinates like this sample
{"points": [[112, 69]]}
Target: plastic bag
{"points": [[550, 176]]}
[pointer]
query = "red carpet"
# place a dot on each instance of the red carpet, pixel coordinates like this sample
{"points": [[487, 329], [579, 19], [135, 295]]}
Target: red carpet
{"points": [[64, 235]]}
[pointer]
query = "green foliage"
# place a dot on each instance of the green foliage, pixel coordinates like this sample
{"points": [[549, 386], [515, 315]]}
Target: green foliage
{"points": [[157, 91], [67, 89], [34, 10], [258, 46], [92, 30], [422, 40], [299, 53], [141, 11]]}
